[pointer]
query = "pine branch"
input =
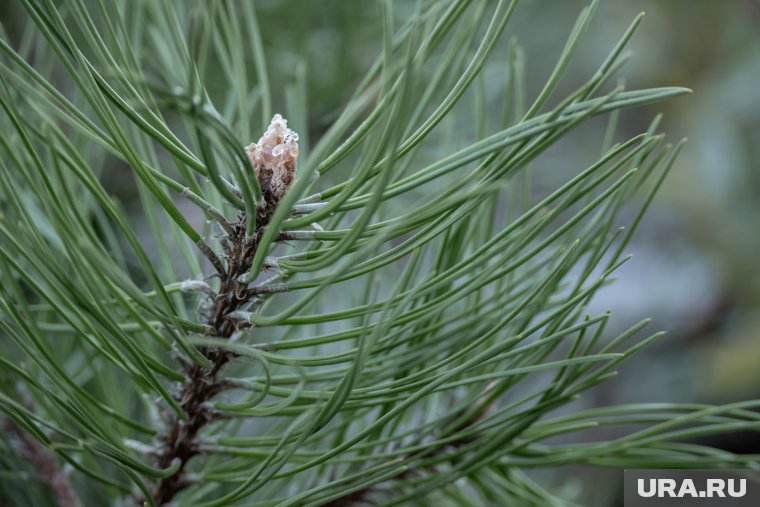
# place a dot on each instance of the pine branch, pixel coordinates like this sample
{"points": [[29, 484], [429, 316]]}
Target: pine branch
{"points": [[45, 464], [203, 383], [274, 172], [458, 422], [443, 266]]}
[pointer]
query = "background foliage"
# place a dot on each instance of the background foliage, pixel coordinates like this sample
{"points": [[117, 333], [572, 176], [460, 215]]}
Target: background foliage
{"points": [[440, 321]]}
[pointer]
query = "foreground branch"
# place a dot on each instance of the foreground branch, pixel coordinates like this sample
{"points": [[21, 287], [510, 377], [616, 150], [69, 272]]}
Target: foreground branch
{"points": [[202, 384], [273, 160]]}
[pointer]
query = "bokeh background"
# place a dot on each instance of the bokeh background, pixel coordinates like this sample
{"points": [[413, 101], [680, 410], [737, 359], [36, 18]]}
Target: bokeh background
{"points": [[696, 265], [696, 268]]}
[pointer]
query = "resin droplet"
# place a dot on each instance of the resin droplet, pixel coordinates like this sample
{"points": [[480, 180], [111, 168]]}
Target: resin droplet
{"points": [[274, 159]]}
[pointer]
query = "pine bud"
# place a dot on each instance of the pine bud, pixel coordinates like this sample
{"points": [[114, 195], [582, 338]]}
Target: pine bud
{"points": [[274, 159]]}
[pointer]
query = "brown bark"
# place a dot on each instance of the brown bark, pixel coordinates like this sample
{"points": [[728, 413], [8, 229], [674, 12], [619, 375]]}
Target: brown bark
{"points": [[46, 466], [179, 441]]}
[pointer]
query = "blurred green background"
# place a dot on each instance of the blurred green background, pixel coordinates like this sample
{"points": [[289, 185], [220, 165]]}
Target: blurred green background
{"points": [[695, 266], [695, 269]]}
